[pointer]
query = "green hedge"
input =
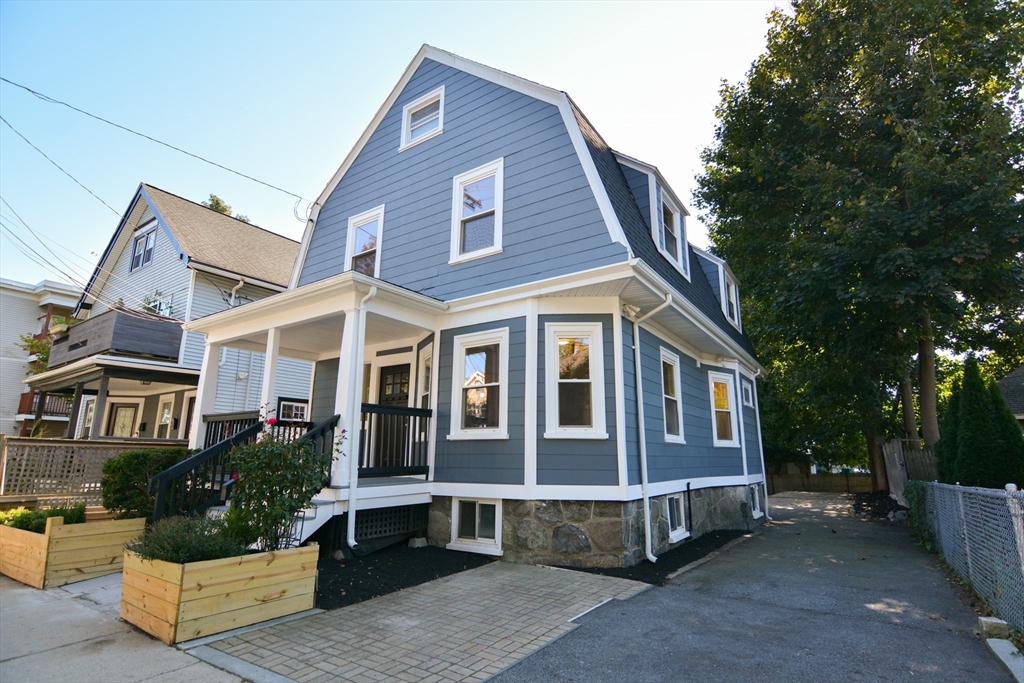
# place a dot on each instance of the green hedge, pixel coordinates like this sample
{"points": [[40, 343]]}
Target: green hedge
{"points": [[125, 480], [35, 520], [188, 539]]}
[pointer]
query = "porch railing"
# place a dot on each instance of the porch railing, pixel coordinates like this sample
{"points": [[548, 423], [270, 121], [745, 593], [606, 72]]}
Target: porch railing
{"points": [[55, 405], [225, 425], [195, 485], [393, 440]]}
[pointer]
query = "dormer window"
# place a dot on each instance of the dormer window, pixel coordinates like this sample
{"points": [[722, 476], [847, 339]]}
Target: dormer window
{"points": [[422, 119], [142, 248], [672, 234], [731, 300]]}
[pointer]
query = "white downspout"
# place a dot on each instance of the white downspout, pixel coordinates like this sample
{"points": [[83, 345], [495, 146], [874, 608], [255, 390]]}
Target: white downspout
{"points": [[234, 291], [641, 428], [760, 445], [353, 460]]}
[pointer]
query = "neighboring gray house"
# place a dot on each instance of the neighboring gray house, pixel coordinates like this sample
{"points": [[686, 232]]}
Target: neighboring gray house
{"points": [[528, 357], [1012, 387], [131, 368]]}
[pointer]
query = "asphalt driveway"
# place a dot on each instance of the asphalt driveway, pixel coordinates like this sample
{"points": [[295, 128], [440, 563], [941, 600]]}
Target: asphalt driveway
{"points": [[820, 595]]}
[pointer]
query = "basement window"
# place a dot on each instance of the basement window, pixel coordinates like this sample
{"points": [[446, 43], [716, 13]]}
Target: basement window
{"points": [[476, 526], [676, 519]]}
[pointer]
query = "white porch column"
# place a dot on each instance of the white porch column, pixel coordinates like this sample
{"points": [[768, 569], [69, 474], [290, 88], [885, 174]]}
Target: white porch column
{"points": [[347, 394], [270, 372], [206, 394]]}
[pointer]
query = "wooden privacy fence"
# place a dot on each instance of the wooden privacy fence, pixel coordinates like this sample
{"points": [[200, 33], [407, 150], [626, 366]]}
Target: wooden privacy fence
{"points": [[819, 483], [63, 471], [906, 460]]}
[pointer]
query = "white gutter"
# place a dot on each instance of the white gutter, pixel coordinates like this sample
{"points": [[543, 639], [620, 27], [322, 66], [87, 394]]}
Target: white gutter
{"points": [[353, 460], [641, 430]]}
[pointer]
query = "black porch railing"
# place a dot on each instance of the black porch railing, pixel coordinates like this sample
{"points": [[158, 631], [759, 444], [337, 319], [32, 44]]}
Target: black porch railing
{"points": [[393, 440], [226, 425], [194, 485]]}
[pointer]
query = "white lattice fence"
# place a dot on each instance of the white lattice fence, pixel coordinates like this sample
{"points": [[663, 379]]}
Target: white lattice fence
{"points": [[61, 469], [981, 534]]}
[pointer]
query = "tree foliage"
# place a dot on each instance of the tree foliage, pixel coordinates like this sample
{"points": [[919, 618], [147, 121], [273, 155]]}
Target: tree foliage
{"points": [[40, 348], [219, 205], [865, 187]]}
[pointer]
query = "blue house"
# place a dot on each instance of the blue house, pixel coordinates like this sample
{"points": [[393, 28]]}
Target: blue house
{"points": [[528, 357]]}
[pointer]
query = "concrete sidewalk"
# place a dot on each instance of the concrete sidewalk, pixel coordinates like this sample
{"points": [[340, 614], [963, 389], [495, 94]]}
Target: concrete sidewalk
{"points": [[73, 633], [820, 595]]}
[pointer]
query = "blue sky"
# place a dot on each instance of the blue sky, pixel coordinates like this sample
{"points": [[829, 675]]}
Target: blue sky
{"points": [[281, 92]]}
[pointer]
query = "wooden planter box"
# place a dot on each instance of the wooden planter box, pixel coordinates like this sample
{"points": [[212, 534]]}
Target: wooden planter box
{"points": [[179, 602], [65, 554]]}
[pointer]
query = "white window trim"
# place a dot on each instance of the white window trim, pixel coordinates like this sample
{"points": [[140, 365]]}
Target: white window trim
{"points": [[496, 169], [142, 234], [483, 547], [280, 409], [407, 112], [683, 262], [756, 510], [164, 398], [552, 331], [459, 345], [748, 394], [673, 360], [728, 281], [376, 213], [731, 387], [683, 532], [426, 357]]}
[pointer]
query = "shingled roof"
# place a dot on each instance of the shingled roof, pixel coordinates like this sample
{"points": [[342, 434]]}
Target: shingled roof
{"points": [[215, 239], [697, 289], [1012, 387]]}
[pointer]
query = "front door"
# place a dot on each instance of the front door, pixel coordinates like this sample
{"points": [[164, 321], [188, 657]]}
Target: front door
{"points": [[392, 431], [122, 420]]}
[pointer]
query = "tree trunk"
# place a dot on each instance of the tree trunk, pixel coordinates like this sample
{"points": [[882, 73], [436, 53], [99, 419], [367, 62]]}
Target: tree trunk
{"points": [[926, 361], [907, 400], [879, 473]]}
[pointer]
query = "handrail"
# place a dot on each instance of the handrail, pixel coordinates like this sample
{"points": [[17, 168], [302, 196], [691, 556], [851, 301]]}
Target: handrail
{"points": [[393, 440]]}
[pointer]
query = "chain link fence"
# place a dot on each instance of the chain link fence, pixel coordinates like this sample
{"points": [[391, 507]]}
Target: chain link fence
{"points": [[980, 532]]}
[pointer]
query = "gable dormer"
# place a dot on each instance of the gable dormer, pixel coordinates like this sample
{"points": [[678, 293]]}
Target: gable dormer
{"points": [[723, 281], [662, 210]]}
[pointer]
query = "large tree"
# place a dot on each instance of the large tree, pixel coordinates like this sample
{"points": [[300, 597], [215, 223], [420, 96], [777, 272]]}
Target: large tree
{"points": [[865, 184]]}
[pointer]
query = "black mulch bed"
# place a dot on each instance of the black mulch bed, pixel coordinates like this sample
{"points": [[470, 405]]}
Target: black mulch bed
{"points": [[876, 504], [657, 573], [346, 582]]}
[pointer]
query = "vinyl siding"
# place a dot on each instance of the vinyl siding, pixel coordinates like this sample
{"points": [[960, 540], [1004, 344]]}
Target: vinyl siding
{"points": [[21, 313], [165, 277], [579, 461], [490, 461], [698, 457], [547, 199]]}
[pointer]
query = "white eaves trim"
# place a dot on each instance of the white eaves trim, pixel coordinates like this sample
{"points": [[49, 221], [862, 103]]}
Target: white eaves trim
{"points": [[638, 165], [521, 85]]}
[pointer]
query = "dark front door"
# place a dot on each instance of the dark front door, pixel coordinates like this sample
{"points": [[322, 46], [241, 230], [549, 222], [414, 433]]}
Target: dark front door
{"points": [[392, 433]]}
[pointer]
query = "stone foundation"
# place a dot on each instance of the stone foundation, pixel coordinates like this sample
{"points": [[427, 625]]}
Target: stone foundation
{"points": [[598, 533]]}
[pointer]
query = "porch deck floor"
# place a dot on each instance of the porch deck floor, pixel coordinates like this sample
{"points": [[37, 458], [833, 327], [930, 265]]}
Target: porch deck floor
{"points": [[467, 626], [372, 482]]}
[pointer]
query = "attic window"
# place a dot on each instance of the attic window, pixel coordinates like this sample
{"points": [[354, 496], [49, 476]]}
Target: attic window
{"points": [[422, 119], [142, 248], [672, 234], [731, 300]]}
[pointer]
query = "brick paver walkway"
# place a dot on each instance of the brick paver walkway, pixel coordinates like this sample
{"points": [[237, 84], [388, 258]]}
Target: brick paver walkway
{"points": [[467, 626]]}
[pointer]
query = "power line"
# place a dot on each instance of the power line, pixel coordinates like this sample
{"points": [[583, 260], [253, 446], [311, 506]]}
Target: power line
{"points": [[51, 100], [58, 166]]}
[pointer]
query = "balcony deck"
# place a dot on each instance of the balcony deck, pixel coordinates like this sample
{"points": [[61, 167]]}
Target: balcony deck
{"points": [[117, 332]]}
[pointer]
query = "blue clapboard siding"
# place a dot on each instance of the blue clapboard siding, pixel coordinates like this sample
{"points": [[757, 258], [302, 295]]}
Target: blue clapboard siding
{"points": [[639, 185], [711, 271], [629, 394], [548, 202], [698, 457], [569, 461], [489, 461], [751, 439]]}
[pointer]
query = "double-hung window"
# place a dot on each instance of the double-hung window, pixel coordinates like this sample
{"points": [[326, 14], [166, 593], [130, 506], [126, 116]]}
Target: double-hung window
{"points": [[672, 234], [574, 381], [422, 119], [671, 399], [142, 248], [425, 376], [731, 300], [364, 237], [480, 386], [723, 410], [477, 212]]}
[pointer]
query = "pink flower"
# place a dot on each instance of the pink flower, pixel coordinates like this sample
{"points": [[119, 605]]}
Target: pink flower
{"points": [[271, 421], [234, 477]]}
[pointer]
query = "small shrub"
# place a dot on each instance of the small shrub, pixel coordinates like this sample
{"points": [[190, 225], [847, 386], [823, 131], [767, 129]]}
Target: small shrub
{"points": [[187, 539], [916, 493], [35, 520], [239, 527], [125, 480]]}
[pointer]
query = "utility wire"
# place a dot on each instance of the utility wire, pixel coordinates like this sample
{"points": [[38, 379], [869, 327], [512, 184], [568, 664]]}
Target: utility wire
{"points": [[58, 166], [51, 100]]}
